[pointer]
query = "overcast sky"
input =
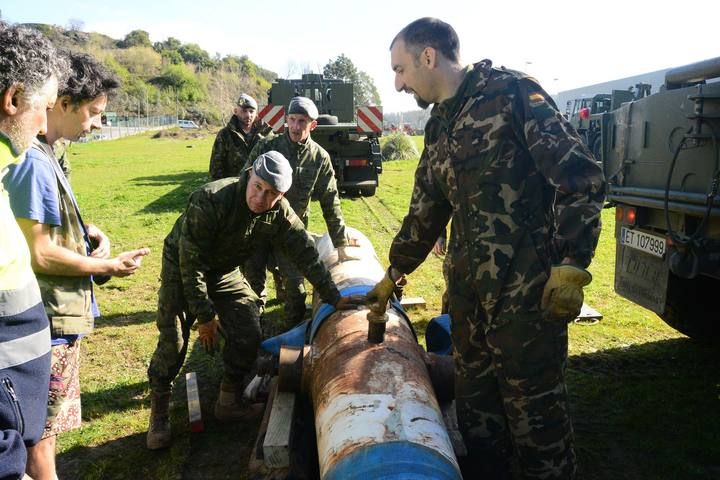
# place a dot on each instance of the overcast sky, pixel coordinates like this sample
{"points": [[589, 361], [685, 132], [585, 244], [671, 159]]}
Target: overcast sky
{"points": [[565, 44]]}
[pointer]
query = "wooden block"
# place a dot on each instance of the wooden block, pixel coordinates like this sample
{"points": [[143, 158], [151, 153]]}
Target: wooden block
{"points": [[412, 302], [276, 446], [257, 464], [193, 399]]}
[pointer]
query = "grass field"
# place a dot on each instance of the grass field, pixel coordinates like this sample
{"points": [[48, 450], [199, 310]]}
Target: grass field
{"points": [[645, 399]]}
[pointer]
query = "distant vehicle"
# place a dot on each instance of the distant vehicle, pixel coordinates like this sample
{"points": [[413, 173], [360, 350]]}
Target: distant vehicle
{"points": [[585, 113], [350, 135], [187, 124]]}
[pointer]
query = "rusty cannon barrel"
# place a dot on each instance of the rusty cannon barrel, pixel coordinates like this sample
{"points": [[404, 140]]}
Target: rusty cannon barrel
{"points": [[376, 412]]}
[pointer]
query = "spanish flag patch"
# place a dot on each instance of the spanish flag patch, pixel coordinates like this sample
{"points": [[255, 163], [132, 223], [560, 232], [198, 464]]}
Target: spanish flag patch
{"points": [[536, 99]]}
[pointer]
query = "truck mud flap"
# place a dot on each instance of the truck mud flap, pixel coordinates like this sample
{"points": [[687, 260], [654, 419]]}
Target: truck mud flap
{"points": [[641, 278]]}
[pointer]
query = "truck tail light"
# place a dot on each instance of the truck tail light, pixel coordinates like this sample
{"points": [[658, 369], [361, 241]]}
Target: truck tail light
{"points": [[584, 113], [357, 162], [626, 215]]}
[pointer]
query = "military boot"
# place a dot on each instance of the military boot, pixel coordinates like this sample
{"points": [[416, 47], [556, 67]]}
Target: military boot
{"points": [[231, 406], [159, 435]]}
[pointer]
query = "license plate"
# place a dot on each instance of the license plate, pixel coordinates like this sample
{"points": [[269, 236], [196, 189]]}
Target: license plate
{"points": [[642, 241]]}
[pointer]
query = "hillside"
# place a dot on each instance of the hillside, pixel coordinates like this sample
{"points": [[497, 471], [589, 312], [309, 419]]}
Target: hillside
{"points": [[168, 77]]}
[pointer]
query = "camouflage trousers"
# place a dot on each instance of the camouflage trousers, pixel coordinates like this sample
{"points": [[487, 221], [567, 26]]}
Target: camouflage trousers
{"points": [[238, 312], [509, 384], [293, 281]]}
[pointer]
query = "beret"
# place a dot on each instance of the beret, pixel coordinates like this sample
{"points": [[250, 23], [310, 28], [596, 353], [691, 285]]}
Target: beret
{"points": [[275, 169], [245, 100], [304, 106]]}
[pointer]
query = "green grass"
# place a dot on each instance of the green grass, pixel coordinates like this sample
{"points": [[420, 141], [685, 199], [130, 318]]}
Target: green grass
{"points": [[645, 399]]}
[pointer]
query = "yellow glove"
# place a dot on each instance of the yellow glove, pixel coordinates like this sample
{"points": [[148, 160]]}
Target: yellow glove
{"points": [[378, 297], [208, 333], [563, 294]]}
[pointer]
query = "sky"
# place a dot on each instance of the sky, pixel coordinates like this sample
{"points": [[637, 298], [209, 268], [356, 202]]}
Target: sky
{"points": [[564, 44]]}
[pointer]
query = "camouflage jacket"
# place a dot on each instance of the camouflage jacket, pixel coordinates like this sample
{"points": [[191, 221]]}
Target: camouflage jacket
{"points": [[521, 187], [217, 233], [313, 178], [232, 146]]}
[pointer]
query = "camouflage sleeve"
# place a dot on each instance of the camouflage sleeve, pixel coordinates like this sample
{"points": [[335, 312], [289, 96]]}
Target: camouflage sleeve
{"points": [[196, 239], [326, 192], [259, 148], [567, 164], [294, 238], [427, 217], [217, 157]]}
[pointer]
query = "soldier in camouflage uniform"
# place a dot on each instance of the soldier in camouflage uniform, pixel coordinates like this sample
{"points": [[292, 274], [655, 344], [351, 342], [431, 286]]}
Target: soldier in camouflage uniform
{"points": [[525, 196], [313, 178], [223, 223], [235, 141]]}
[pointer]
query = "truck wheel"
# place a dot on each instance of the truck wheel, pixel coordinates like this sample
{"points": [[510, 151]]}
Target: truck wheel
{"points": [[688, 307], [367, 191]]}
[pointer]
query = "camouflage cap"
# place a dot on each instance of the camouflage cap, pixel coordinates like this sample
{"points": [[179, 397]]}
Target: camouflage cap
{"points": [[275, 169], [304, 106], [245, 100]]}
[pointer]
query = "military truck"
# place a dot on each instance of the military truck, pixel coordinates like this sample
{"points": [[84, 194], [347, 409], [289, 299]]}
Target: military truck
{"points": [[585, 113], [351, 136], [661, 158]]}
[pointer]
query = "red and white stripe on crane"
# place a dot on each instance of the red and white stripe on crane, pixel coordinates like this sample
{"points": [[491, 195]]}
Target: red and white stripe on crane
{"points": [[369, 119], [273, 115]]}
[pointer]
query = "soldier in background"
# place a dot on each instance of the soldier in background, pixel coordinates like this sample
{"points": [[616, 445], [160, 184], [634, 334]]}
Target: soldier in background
{"points": [[30, 70], [224, 222], [313, 178], [525, 197], [235, 141]]}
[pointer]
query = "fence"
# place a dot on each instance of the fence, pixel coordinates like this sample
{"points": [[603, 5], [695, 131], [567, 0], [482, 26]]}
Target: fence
{"points": [[131, 126]]}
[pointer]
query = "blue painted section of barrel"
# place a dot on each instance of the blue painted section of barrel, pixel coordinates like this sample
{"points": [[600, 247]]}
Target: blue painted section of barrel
{"points": [[394, 461]]}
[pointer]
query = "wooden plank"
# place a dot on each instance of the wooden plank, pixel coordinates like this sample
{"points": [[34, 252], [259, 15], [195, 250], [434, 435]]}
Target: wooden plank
{"points": [[193, 399], [276, 446], [588, 315], [257, 465], [412, 302]]}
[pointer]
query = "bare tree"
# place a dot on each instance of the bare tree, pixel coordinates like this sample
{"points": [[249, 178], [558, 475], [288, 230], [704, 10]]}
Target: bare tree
{"points": [[75, 25]]}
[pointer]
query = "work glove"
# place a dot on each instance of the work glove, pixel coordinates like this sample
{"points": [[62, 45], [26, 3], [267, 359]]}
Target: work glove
{"points": [[208, 333], [439, 249], [562, 297], [378, 297]]}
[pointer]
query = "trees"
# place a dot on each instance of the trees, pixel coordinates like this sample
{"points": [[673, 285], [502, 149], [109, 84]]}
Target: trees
{"points": [[192, 53], [136, 38], [365, 91]]}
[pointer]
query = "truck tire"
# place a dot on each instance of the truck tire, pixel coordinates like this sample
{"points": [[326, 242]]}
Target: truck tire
{"points": [[689, 309], [367, 191], [327, 120]]}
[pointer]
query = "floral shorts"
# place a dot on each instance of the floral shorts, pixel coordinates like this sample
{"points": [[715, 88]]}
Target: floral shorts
{"points": [[63, 412]]}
